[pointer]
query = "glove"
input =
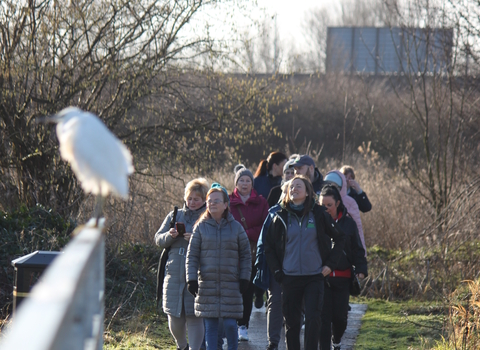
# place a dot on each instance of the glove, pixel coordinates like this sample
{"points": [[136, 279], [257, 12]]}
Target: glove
{"points": [[192, 287], [278, 276], [244, 285]]}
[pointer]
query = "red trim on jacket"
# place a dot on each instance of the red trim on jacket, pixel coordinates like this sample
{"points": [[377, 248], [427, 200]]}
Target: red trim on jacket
{"points": [[341, 273]]}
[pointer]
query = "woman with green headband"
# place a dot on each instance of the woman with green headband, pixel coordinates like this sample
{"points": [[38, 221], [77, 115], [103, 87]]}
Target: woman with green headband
{"points": [[218, 268]]}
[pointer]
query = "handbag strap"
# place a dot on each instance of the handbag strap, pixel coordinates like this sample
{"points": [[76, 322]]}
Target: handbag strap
{"points": [[242, 218]]}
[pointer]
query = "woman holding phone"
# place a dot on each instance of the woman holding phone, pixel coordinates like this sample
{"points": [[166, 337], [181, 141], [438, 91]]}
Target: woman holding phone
{"points": [[177, 302]]}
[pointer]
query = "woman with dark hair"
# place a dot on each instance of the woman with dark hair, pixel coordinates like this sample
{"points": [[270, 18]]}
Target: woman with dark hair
{"points": [[276, 192], [337, 178], [299, 254], [218, 268], [269, 173], [337, 284]]}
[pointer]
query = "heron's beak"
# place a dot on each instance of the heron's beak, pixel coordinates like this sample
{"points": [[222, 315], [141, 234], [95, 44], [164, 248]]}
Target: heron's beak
{"points": [[47, 119]]}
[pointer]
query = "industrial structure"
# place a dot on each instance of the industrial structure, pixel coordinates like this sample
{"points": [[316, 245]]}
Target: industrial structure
{"points": [[386, 50]]}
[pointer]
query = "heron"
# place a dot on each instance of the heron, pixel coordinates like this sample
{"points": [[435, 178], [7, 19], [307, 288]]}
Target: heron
{"points": [[99, 160]]}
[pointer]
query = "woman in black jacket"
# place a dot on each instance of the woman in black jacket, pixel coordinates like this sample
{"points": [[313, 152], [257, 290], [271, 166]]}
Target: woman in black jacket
{"points": [[354, 190], [299, 254], [337, 284]]}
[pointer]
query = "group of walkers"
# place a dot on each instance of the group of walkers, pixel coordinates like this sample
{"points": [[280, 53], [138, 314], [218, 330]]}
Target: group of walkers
{"points": [[286, 230]]}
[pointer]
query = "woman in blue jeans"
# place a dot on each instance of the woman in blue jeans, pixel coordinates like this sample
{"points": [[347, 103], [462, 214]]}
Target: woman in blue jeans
{"points": [[218, 268]]}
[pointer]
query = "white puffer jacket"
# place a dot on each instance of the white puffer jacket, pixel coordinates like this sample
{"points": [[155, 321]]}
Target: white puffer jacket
{"points": [[175, 293]]}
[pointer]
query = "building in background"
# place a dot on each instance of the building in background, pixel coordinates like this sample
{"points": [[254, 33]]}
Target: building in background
{"points": [[386, 50]]}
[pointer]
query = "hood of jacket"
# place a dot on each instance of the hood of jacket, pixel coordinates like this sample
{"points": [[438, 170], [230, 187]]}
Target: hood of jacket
{"points": [[343, 190], [351, 206], [317, 177], [193, 214], [344, 213], [235, 198]]}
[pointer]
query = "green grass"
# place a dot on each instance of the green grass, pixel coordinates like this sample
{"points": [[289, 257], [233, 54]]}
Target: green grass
{"points": [[386, 325], [400, 325], [146, 332]]}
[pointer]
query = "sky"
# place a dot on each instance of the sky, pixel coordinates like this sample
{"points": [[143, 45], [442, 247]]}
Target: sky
{"points": [[291, 15], [235, 22]]}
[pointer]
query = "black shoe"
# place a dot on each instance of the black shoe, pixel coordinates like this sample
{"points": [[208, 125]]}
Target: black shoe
{"points": [[272, 347], [258, 302], [336, 346], [186, 348]]}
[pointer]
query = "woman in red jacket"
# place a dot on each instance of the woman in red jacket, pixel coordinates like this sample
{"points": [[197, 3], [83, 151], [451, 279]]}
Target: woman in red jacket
{"points": [[250, 209]]}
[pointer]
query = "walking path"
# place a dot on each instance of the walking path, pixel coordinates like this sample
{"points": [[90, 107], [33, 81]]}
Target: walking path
{"points": [[257, 331]]}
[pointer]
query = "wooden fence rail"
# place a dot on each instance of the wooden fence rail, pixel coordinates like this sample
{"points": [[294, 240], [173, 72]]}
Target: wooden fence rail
{"points": [[65, 309]]}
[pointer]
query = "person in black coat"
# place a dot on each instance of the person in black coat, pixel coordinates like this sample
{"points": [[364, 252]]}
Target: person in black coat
{"points": [[337, 284], [354, 190], [276, 192], [299, 253], [269, 173], [305, 165]]}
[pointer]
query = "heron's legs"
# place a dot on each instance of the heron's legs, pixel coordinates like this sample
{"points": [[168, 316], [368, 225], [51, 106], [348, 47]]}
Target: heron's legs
{"points": [[99, 202]]}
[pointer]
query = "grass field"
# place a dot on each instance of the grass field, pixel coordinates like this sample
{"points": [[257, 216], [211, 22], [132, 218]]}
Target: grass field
{"points": [[400, 325], [386, 325], [145, 332]]}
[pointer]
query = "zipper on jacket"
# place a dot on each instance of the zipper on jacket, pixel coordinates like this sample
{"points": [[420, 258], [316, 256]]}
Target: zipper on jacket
{"points": [[300, 224], [219, 235]]}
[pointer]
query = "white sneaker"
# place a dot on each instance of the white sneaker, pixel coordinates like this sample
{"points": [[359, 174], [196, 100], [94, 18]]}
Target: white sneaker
{"points": [[243, 333]]}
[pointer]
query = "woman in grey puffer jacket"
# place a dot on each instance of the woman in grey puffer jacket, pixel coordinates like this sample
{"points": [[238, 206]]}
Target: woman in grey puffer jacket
{"points": [[218, 268], [177, 302]]}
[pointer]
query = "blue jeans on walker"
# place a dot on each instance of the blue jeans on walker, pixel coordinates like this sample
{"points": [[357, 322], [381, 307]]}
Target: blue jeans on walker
{"points": [[211, 333]]}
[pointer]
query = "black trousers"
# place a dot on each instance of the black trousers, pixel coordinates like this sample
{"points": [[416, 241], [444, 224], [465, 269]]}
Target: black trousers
{"points": [[248, 301], [295, 289], [335, 311]]}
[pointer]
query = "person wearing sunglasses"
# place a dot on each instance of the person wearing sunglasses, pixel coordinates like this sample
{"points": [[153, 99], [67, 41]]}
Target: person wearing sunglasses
{"points": [[218, 268]]}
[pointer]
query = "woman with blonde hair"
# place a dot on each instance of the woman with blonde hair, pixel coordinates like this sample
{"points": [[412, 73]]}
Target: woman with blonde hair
{"points": [[218, 268], [177, 302]]}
